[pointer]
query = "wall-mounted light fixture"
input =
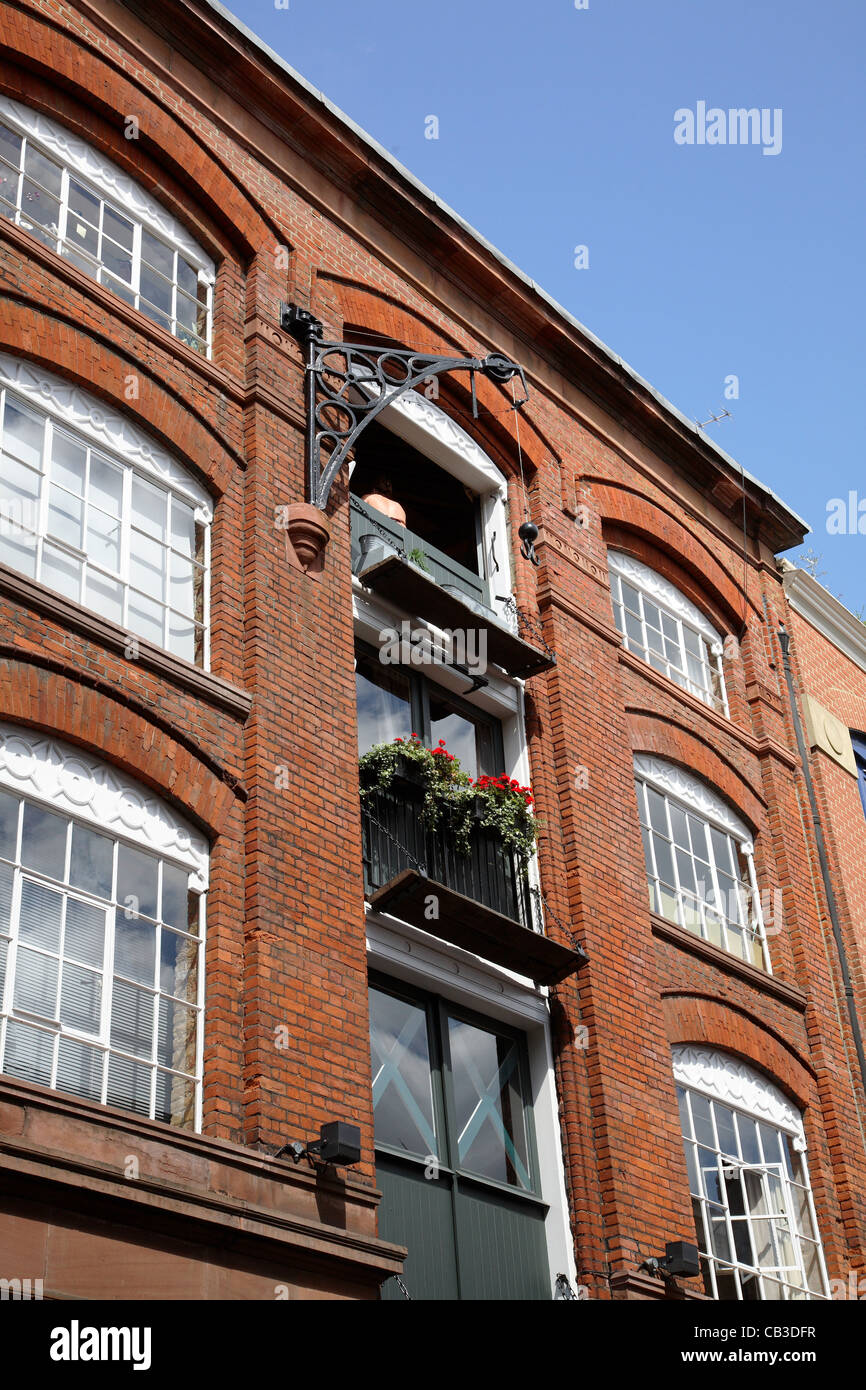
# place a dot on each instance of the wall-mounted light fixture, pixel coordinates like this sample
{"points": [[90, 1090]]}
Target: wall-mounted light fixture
{"points": [[339, 1144], [680, 1260]]}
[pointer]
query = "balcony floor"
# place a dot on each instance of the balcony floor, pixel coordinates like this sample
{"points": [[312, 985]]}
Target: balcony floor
{"points": [[476, 928]]}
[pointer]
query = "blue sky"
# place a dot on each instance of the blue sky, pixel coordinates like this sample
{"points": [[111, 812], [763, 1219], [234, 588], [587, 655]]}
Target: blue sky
{"points": [[556, 130]]}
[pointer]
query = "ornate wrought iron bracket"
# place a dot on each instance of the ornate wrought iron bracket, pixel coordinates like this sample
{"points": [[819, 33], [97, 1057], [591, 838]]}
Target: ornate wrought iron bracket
{"points": [[348, 384]]}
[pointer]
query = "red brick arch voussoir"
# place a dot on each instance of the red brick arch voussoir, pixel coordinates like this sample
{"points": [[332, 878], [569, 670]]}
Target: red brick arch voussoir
{"points": [[68, 351], [662, 737], [693, 1018], [41, 699]]}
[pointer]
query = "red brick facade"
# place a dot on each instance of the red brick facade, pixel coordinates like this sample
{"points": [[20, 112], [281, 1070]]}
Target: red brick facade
{"points": [[293, 206]]}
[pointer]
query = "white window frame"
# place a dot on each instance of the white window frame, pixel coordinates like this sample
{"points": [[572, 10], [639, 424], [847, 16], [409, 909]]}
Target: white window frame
{"points": [[98, 426], [682, 616], [740, 1088], [689, 794], [69, 783], [425, 426], [125, 197]]}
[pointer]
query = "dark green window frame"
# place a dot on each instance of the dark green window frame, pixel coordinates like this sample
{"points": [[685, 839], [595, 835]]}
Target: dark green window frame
{"points": [[438, 1010], [421, 687]]}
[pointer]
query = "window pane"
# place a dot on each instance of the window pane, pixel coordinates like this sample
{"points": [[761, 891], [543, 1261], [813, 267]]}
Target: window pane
{"points": [[128, 1085], [8, 824], [35, 983], [61, 572], [156, 253], [43, 840], [117, 227], [132, 1019], [183, 537], [402, 1075], [176, 1036], [80, 998], [68, 462], [115, 259], [103, 539], [135, 948], [29, 1053], [147, 563], [384, 703], [175, 1100], [6, 878], [44, 170], [106, 485], [65, 514], [181, 594], [92, 861], [79, 1069], [137, 881], [105, 596], [178, 970], [10, 145], [146, 617], [175, 892], [148, 508], [488, 1104], [41, 913], [23, 433], [156, 290], [85, 932], [18, 550]]}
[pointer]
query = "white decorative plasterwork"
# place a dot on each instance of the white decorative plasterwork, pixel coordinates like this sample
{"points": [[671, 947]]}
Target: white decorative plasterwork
{"points": [[663, 593], [674, 781], [38, 765], [103, 426], [438, 425], [735, 1083], [92, 165]]}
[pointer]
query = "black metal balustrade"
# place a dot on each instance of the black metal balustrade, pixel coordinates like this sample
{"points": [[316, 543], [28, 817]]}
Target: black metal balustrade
{"points": [[396, 838], [479, 901]]}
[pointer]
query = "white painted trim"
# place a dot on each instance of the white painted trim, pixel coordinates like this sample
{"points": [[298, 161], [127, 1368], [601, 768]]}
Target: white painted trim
{"points": [[105, 176], [104, 427], [663, 593], [832, 619], [70, 780], [735, 1083], [406, 954], [691, 791]]}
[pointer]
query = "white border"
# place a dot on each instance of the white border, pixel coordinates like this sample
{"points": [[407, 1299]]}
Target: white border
{"points": [[735, 1083], [39, 765], [118, 187], [103, 426], [663, 592], [682, 786], [417, 959]]}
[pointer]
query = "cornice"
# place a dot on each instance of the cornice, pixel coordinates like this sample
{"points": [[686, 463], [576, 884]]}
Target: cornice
{"points": [[832, 619], [724, 960], [68, 614], [357, 167]]}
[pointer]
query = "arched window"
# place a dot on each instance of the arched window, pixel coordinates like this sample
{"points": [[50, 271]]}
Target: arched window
{"points": [[81, 205], [699, 860], [746, 1158], [92, 507], [101, 928], [660, 625]]}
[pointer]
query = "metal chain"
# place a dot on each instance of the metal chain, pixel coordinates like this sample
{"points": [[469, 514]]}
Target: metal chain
{"points": [[421, 867], [525, 622], [549, 912], [402, 1287]]}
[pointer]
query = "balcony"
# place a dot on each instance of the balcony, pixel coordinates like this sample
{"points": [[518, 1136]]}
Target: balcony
{"points": [[419, 578], [482, 901]]}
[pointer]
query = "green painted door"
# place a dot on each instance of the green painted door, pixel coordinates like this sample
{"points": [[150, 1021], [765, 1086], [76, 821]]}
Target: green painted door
{"points": [[455, 1148]]}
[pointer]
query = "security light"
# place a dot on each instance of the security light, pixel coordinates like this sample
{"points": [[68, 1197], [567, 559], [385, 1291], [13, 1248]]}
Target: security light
{"points": [[680, 1260], [339, 1143]]}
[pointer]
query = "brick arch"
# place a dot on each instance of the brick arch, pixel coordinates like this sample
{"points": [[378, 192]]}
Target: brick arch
{"points": [[654, 535], [64, 348], [377, 312], [650, 733], [40, 698], [70, 83], [695, 1018]]}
